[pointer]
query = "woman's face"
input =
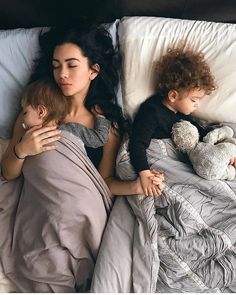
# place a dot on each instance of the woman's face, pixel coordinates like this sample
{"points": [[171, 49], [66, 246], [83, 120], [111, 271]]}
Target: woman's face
{"points": [[71, 70]]}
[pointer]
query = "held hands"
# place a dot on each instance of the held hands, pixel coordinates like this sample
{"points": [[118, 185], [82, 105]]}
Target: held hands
{"points": [[151, 182], [36, 140]]}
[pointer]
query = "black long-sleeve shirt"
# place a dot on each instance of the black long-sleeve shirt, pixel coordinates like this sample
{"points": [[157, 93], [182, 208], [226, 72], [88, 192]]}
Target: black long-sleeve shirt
{"points": [[153, 120]]}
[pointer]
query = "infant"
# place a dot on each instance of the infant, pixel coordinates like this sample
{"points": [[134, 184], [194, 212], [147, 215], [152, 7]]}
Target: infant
{"points": [[44, 104]]}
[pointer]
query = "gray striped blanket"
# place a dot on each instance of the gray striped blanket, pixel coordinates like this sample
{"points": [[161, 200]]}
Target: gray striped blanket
{"points": [[182, 241]]}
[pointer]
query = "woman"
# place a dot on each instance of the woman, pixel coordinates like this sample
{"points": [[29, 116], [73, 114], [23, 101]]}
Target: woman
{"points": [[83, 62]]}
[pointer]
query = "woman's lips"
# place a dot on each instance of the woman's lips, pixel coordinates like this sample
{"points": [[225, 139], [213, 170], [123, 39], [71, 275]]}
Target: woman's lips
{"points": [[65, 86]]}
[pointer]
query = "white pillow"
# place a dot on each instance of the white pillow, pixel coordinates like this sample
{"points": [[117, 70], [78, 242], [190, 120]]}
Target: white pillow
{"points": [[18, 50], [144, 39]]}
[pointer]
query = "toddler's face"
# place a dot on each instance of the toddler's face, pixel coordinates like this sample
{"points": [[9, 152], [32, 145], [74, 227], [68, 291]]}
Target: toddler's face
{"points": [[31, 117], [189, 101]]}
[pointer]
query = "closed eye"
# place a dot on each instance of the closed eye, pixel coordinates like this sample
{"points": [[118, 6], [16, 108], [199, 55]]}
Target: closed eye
{"points": [[55, 67], [72, 64]]}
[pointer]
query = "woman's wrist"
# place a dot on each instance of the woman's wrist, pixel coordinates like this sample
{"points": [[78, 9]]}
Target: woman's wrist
{"points": [[18, 153], [136, 187]]}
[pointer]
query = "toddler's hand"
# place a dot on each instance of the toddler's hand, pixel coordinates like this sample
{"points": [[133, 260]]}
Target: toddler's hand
{"points": [[147, 179], [158, 177], [233, 161]]}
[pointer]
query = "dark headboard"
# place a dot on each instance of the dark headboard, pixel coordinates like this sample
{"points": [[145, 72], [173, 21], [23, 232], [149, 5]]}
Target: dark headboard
{"points": [[33, 13]]}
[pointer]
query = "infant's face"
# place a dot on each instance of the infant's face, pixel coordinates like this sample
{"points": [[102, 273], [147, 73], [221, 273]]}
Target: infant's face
{"points": [[31, 117], [188, 101]]}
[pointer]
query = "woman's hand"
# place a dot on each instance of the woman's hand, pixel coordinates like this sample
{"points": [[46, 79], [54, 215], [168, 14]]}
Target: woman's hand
{"points": [[36, 140]]}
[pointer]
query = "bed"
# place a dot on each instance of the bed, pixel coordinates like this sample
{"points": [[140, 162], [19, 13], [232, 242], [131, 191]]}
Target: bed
{"points": [[183, 241]]}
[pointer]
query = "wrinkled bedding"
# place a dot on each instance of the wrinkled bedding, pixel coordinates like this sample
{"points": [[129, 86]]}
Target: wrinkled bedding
{"points": [[182, 241], [52, 220]]}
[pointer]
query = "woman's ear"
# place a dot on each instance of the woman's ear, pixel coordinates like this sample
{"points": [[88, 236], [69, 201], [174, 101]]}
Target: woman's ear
{"points": [[42, 111], [94, 71], [173, 95]]}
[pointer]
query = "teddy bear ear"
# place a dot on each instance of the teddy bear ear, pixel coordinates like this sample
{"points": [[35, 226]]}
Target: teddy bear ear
{"points": [[185, 136]]}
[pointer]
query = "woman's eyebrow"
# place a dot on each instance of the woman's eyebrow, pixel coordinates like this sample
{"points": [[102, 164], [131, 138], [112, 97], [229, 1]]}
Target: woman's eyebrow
{"points": [[73, 58], [68, 59]]}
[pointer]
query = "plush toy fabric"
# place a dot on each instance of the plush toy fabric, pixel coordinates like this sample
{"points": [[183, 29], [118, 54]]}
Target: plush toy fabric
{"points": [[210, 158]]}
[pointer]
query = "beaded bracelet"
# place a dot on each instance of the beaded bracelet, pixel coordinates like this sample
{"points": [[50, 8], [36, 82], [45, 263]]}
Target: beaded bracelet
{"points": [[14, 151]]}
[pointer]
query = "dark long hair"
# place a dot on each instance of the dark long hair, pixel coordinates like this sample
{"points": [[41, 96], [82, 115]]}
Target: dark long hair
{"points": [[96, 44]]}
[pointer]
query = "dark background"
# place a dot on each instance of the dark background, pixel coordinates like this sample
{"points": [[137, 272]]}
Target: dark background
{"points": [[33, 13]]}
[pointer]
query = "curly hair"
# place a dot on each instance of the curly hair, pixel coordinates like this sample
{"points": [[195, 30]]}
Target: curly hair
{"points": [[181, 69], [96, 44]]}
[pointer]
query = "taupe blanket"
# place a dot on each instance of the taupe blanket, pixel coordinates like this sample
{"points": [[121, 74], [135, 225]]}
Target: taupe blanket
{"points": [[52, 220]]}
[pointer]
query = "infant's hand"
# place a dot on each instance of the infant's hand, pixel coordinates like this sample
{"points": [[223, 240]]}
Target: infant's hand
{"points": [[233, 161], [38, 139], [149, 188]]}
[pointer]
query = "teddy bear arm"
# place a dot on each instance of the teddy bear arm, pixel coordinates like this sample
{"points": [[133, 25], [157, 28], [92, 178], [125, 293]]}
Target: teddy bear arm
{"points": [[218, 135], [231, 140]]}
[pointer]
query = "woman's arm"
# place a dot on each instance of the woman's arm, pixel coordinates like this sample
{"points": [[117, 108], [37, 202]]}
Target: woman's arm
{"points": [[11, 165], [107, 170], [32, 142]]}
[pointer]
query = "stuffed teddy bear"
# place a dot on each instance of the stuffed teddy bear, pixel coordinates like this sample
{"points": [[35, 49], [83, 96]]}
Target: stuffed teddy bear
{"points": [[210, 158]]}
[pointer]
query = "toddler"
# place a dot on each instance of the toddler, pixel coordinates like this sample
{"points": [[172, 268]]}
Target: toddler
{"points": [[182, 79]]}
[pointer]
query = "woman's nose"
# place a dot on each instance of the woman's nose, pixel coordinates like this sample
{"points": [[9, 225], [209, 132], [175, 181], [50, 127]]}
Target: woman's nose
{"points": [[64, 74]]}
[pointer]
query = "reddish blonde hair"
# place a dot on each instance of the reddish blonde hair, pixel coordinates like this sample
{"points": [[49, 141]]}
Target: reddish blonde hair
{"points": [[47, 93]]}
